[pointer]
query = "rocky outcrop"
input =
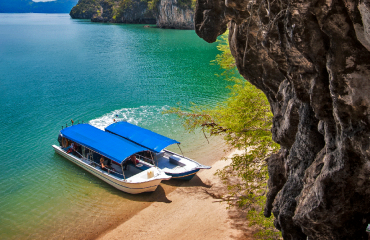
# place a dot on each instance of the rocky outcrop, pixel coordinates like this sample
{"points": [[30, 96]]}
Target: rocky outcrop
{"points": [[130, 11], [172, 15], [311, 58], [84, 9], [165, 13]]}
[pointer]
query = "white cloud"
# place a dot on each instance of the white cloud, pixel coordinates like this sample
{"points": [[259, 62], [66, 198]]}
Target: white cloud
{"points": [[43, 0]]}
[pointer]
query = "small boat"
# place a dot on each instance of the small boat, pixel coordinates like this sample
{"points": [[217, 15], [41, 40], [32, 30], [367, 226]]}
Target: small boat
{"points": [[89, 147], [173, 164]]}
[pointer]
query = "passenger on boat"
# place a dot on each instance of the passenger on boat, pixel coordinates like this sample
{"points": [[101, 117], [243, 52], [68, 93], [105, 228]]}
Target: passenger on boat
{"points": [[72, 148], [104, 165], [133, 160]]}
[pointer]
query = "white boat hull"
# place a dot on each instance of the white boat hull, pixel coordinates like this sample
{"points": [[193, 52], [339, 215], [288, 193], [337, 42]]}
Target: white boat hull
{"points": [[134, 185], [184, 168]]}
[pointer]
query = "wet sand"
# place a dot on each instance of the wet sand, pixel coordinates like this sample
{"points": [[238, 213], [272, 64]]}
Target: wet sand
{"points": [[189, 212]]}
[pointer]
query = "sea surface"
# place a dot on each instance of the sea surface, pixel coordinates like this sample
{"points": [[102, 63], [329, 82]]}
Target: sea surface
{"points": [[54, 69]]}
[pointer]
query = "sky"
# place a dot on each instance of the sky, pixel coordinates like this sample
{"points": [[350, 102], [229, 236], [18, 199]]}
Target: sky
{"points": [[42, 0]]}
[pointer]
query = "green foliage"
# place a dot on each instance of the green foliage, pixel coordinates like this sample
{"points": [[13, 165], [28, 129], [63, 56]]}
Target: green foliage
{"points": [[185, 4], [116, 9], [193, 4], [125, 5], [119, 8], [225, 60], [152, 5], [86, 9], [245, 120], [256, 217]]}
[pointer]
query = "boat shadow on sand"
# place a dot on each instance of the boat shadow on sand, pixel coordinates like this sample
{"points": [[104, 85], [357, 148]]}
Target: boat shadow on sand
{"points": [[159, 195], [194, 182]]}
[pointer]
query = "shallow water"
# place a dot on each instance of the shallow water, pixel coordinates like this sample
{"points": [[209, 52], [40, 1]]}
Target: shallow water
{"points": [[54, 69]]}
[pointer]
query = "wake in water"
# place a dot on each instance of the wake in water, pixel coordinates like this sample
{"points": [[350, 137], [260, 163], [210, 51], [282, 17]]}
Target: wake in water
{"points": [[149, 117]]}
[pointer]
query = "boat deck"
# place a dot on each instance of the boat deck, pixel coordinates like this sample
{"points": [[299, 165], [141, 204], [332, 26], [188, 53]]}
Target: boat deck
{"points": [[175, 166], [131, 170], [165, 163]]}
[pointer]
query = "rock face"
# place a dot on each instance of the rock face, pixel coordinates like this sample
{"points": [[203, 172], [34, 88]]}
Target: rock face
{"points": [[131, 11], [172, 15], [166, 13], [311, 58]]}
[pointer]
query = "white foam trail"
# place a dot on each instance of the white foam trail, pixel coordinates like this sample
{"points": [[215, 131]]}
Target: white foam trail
{"points": [[138, 116]]}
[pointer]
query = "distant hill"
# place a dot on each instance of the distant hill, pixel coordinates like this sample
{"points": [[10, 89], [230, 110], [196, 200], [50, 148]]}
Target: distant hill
{"points": [[28, 6]]}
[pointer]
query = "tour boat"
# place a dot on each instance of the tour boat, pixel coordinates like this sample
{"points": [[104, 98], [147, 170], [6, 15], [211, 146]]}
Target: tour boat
{"points": [[89, 147], [173, 164]]}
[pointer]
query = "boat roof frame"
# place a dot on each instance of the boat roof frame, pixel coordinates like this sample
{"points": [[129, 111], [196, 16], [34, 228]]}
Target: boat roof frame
{"points": [[151, 140]]}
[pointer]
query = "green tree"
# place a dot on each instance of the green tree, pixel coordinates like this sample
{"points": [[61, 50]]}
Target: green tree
{"points": [[245, 120]]}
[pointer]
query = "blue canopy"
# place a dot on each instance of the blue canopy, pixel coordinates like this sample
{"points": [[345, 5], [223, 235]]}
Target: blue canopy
{"points": [[106, 144], [144, 137]]}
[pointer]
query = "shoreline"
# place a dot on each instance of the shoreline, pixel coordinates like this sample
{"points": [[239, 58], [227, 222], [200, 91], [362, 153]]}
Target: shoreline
{"points": [[190, 212], [113, 208]]}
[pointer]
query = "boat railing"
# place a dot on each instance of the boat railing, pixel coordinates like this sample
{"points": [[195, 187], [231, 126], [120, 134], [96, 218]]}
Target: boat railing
{"points": [[145, 159], [199, 165], [79, 154], [89, 157], [167, 155]]}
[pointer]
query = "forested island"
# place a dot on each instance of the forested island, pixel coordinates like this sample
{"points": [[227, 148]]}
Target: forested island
{"points": [[177, 14], [28, 6]]}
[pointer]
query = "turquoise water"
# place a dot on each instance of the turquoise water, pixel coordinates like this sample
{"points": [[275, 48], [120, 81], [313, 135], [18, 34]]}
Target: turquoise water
{"points": [[54, 69]]}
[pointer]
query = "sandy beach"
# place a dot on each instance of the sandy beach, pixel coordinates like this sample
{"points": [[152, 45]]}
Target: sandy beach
{"points": [[190, 212]]}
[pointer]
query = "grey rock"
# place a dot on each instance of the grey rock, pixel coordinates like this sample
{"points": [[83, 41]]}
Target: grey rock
{"points": [[112, 11], [166, 13], [171, 15], [311, 58]]}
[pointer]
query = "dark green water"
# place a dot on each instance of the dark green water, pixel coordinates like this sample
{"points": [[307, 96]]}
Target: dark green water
{"points": [[54, 69]]}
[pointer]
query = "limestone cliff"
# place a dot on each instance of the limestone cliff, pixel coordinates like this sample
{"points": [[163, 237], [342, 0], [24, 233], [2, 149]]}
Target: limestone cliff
{"points": [[115, 11], [165, 13], [311, 58], [175, 14]]}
